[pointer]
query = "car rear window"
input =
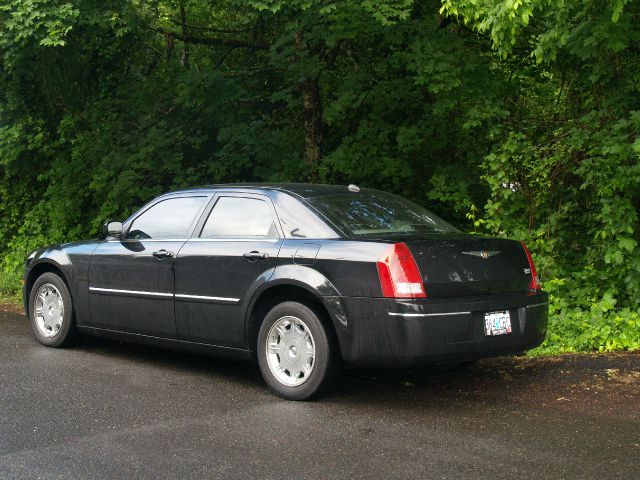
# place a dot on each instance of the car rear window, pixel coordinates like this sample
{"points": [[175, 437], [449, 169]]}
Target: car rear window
{"points": [[378, 213]]}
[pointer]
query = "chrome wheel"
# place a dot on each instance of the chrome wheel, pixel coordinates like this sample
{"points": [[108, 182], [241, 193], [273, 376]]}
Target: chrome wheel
{"points": [[290, 351], [49, 310]]}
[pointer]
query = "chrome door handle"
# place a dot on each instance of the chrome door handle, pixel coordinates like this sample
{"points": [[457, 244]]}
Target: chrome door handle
{"points": [[255, 255], [160, 254]]}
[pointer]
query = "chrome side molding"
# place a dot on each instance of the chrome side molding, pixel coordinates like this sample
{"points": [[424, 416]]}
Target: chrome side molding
{"points": [[177, 296], [139, 293], [204, 298], [395, 314], [538, 305]]}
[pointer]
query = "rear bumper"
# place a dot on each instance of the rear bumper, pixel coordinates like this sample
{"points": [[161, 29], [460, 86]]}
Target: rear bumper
{"points": [[382, 332]]}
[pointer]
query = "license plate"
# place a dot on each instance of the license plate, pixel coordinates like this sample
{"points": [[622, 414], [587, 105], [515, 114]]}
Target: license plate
{"points": [[497, 323]]}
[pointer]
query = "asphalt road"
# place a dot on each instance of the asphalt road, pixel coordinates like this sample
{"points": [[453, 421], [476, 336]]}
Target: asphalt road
{"points": [[109, 410]]}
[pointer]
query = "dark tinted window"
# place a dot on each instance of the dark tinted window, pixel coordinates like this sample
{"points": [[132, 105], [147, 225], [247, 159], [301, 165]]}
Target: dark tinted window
{"points": [[240, 217], [378, 213], [167, 219]]}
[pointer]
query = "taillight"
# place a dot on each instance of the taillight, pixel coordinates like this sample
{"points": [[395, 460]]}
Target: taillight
{"points": [[399, 274], [535, 282]]}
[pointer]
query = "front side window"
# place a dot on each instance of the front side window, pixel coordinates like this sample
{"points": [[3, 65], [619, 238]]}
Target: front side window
{"points": [[240, 217], [169, 218]]}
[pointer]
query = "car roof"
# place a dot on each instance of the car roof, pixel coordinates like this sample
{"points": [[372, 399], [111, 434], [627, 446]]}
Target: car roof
{"points": [[303, 190]]}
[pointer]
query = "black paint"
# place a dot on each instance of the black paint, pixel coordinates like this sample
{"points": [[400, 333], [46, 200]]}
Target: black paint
{"points": [[310, 254]]}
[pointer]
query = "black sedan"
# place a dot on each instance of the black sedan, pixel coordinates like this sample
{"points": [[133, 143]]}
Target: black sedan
{"points": [[305, 278]]}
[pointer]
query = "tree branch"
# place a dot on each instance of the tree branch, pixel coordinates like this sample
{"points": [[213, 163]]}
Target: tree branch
{"points": [[224, 42], [212, 29]]}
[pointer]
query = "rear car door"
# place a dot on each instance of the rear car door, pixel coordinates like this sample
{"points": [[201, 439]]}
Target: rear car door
{"points": [[131, 280], [233, 251]]}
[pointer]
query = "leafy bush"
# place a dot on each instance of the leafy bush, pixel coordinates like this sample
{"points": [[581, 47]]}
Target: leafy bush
{"points": [[581, 324], [9, 287]]}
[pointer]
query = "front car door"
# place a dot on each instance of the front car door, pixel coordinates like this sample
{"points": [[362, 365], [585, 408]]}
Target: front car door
{"points": [[131, 280], [235, 250]]}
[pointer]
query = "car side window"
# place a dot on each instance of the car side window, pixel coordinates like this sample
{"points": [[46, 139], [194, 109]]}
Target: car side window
{"points": [[298, 221], [169, 218], [240, 217]]}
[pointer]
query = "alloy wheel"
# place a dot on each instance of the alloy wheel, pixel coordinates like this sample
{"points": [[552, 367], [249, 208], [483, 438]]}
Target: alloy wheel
{"points": [[49, 310], [290, 351]]}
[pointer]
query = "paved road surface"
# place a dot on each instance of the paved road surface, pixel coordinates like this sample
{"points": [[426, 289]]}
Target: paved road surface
{"points": [[109, 410]]}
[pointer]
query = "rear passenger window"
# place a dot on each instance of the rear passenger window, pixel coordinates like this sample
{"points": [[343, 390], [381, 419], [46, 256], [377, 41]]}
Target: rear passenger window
{"points": [[240, 217]]}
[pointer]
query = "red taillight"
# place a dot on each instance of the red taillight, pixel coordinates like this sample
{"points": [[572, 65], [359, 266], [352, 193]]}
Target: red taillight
{"points": [[535, 283], [399, 274]]}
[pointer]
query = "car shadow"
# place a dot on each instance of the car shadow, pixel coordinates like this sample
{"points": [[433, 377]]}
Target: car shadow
{"points": [[492, 380], [164, 358]]}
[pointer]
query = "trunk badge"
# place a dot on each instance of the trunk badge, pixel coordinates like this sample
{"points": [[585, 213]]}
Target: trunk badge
{"points": [[482, 253]]}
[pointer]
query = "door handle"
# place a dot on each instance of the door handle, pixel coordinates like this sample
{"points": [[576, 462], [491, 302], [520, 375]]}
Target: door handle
{"points": [[255, 255], [160, 254]]}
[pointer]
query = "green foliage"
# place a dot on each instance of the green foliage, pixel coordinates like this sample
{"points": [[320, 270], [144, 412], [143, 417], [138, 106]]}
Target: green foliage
{"points": [[588, 324], [45, 21], [9, 288], [387, 12], [516, 118], [566, 173]]}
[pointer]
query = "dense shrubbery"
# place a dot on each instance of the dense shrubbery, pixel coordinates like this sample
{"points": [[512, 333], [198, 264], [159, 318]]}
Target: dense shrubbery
{"points": [[571, 162], [519, 119]]}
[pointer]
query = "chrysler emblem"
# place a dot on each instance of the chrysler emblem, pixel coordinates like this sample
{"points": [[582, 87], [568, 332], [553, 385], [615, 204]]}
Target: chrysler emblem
{"points": [[484, 254]]}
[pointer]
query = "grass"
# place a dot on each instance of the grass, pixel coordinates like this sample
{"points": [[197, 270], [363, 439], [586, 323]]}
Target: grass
{"points": [[11, 300], [10, 289]]}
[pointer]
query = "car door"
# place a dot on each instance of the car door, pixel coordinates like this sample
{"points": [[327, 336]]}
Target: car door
{"points": [[235, 250], [131, 280]]}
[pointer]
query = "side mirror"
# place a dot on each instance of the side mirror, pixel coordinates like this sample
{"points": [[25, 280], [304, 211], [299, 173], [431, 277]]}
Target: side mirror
{"points": [[112, 229]]}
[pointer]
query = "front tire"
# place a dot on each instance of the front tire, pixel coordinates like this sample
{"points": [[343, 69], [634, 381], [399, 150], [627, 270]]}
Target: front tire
{"points": [[296, 354], [51, 311]]}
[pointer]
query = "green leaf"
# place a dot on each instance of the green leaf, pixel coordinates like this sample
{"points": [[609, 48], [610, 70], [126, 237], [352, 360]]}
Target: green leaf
{"points": [[627, 244]]}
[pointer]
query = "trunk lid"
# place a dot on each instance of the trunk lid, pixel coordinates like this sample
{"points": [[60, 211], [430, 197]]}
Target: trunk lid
{"points": [[461, 264]]}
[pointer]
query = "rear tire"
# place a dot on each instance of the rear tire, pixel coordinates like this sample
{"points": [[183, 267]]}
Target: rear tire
{"points": [[51, 311], [296, 353]]}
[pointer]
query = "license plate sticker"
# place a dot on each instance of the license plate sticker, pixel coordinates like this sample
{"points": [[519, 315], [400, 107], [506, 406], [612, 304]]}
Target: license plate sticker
{"points": [[497, 323]]}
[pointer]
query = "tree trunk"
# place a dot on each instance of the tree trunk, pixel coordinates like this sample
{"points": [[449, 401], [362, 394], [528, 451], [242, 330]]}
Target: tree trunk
{"points": [[184, 61], [312, 119], [312, 125], [168, 49]]}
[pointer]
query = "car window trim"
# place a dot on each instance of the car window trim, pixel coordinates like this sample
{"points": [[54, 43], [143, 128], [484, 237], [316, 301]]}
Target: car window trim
{"points": [[194, 222], [236, 239], [211, 205]]}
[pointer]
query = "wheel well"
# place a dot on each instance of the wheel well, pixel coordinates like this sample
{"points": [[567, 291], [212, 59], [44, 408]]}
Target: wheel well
{"points": [[36, 272], [286, 293]]}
